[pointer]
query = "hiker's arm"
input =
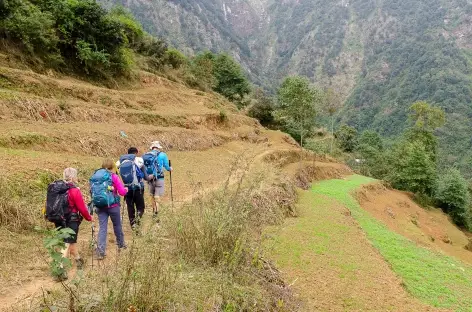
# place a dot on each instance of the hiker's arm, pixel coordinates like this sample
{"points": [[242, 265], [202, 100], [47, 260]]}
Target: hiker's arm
{"points": [[165, 162], [80, 204], [118, 185]]}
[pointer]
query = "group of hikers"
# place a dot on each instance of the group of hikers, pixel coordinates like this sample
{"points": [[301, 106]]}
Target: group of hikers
{"points": [[65, 205]]}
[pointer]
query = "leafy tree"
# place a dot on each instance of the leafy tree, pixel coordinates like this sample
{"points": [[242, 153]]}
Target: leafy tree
{"points": [[331, 105], [425, 117], [201, 66], [375, 161], [453, 196], [262, 109], [426, 120], [412, 168], [372, 139], [347, 138], [296, 105], [230, 79]]}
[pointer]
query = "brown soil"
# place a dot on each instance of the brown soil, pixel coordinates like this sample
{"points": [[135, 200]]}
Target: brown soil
{"points": [[429, 228]]}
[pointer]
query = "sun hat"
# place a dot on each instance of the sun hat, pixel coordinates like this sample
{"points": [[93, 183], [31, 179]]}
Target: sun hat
{"points": [[156, 144]]}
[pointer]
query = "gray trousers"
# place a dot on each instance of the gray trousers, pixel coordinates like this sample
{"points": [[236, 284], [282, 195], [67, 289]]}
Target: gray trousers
{"points": [[114, 214]]}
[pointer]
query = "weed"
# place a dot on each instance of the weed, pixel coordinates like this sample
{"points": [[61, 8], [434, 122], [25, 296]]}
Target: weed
{"points": [[223, 116], [54, 243]]}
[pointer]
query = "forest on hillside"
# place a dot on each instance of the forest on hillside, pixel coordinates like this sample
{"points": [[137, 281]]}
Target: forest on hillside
{"points": [[380, 56]]}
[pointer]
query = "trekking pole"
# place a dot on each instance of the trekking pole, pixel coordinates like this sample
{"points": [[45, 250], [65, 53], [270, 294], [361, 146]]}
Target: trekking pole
{"points": [[93, 242], [171, 191]]}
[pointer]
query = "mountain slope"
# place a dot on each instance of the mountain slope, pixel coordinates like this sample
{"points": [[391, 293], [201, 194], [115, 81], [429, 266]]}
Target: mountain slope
{"points": [[381, 56]]}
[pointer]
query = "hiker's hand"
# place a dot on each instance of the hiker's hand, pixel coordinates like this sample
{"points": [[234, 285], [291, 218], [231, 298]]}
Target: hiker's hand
{"points": [[91, 219], [171, 169], [151, 177], [111, 188], [126, 189]]}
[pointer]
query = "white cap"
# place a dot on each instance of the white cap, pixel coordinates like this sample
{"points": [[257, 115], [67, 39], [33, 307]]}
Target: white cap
{"points": [[156, 144], [117, 164]]}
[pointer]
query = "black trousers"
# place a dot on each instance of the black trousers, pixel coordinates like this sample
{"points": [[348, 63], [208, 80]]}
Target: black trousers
{"points": [[135, 204]]}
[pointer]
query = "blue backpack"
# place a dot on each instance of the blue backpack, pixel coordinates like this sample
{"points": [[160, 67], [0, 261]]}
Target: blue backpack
{"points": [[151, 163], [100, 189], [131, 174]]}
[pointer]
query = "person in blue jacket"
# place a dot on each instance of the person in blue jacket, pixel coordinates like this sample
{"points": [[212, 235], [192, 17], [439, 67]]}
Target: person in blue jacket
{"points": [[156, 184]]}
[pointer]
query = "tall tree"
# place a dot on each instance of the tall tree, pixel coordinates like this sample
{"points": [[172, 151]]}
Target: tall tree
{"points": [[332, 104], [425, 120], [296, 105]]}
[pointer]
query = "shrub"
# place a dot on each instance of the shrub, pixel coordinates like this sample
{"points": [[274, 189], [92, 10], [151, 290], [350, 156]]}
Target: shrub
{"points": [[29, 26], [453, 196], [412, 168], [347, 138], [93, 60], [175, 58], [263, 110]]}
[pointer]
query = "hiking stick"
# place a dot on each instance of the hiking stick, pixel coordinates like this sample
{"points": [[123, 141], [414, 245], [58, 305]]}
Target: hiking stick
{"points": [[171, 191]]}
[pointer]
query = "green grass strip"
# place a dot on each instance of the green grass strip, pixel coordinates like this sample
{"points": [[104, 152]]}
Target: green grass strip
{"points": [[432, 277]]}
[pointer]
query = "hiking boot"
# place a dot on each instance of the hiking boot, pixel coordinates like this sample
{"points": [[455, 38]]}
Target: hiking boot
{"points": [[124, 247], [80, 263], [155, 217]]}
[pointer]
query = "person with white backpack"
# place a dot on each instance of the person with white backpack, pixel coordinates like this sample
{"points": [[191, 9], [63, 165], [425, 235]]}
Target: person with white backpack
{"points": [[131, 169]]}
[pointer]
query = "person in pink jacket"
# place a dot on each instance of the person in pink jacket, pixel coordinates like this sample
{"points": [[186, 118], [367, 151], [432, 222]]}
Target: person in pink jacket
{"points": [[112, 211]]}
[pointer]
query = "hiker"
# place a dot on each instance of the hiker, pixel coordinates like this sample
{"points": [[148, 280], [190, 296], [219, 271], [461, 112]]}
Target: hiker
{"points": [[106, 189], [66, 193], [131, 168], [154, 162]]}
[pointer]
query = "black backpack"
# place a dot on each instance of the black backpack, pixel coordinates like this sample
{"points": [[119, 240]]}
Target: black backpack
{"points": [[57, 202]]}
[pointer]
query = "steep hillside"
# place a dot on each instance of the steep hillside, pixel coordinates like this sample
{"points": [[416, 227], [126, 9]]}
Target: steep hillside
{"points": [[380, 55], [50, 122]]}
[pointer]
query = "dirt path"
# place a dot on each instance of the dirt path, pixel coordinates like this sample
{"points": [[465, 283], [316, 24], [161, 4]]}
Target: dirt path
{"points": [[330, 263]]}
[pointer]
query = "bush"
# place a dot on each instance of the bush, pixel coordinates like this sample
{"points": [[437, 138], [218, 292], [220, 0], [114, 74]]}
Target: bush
{"points": [[263, 110], [33, 29], [346, 137], [412, 169], [81, 35], [93, 60], [175, 58], [453, 197]]}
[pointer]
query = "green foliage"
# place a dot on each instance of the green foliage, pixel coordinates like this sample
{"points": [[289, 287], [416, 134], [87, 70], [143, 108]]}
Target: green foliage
{"points": [[453, 196], [26, 25], [54, 243], [92, 59], [202, 68], [372, 139], [220, 73], [296, 105], [346, 137], [262, 109], [412, 168], [80, 35], [425, 117], [175, 58], [230, 79]]}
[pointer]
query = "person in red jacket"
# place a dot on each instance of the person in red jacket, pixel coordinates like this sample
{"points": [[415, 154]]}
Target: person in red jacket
{"points": [[78, 211]]}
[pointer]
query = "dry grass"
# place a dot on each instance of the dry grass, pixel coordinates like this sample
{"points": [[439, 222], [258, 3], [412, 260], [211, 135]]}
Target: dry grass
{"points": [[205, 257]]}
